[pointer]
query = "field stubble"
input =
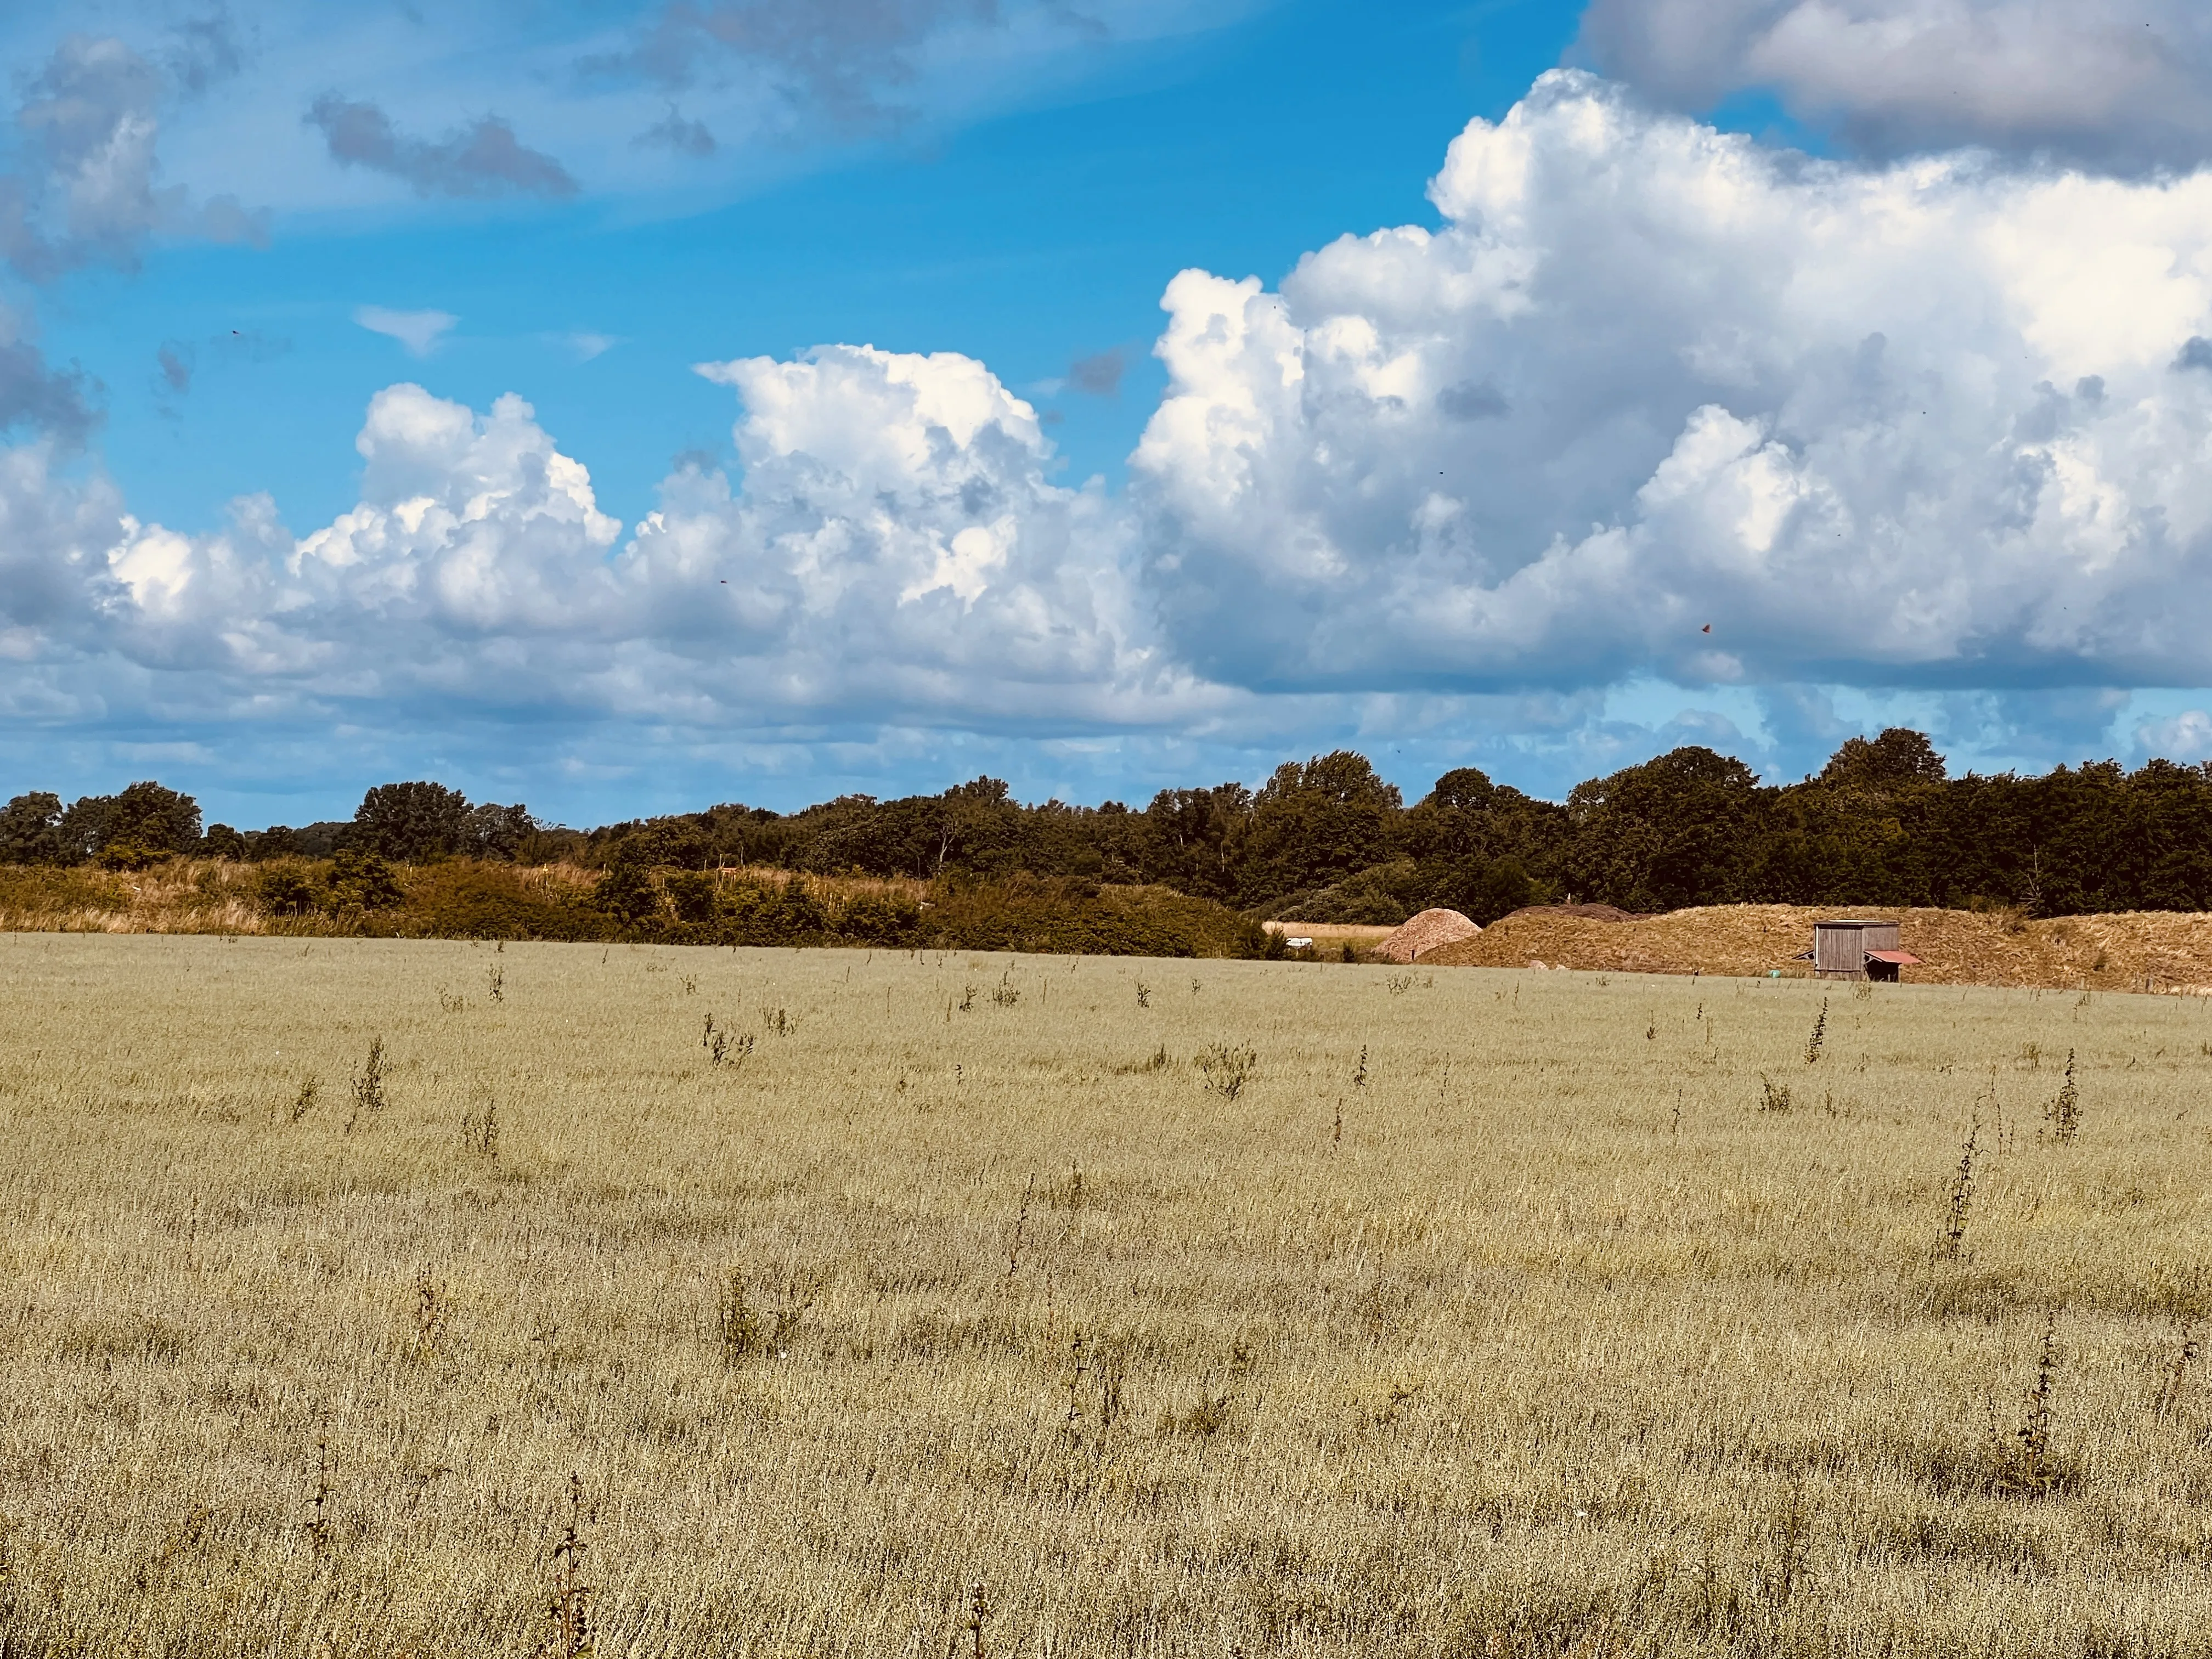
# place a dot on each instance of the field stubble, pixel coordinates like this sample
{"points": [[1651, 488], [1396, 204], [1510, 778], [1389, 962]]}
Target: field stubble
{"points": [[1488, 1312]]}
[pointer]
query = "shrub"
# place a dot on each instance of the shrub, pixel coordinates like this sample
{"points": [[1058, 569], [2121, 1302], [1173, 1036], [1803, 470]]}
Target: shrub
{"points": [[627, 892], [1225, 1070], [691, 892], [1383, 895], [362, 881], [888, 919], [1498, 889], [283, 889], [2064, 1113], [772, 912], [464, 899], [1072, 917]]}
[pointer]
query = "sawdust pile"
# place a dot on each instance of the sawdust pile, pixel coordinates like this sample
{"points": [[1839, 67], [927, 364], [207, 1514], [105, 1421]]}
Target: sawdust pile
{"points": [[1429, 931], [2142, 951]]}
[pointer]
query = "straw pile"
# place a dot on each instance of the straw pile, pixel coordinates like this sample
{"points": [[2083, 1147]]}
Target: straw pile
{"points": [[2153, 951], [1429, 931]]}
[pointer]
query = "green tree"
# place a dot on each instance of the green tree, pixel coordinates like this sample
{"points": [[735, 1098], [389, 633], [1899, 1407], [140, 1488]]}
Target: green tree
{"points": [[1496, 889], [1313, 825], [278, 840], [145, 821], [411, 822], [1674, 832], [1899, 755], [491, 831], [1191, 838], [1467, 826], [31, 830]]}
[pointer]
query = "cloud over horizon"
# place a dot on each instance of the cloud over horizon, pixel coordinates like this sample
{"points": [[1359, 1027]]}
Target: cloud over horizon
{"points": [[1935, 428], [1927, 424]]}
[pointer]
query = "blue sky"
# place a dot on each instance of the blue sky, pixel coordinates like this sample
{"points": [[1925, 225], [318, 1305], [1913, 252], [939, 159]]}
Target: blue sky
{"points": [[1030, 238], [218, 568]]}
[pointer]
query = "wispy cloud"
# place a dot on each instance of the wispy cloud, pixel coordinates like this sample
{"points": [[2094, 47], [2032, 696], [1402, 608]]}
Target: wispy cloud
{"points": [[420, 331], [2117, 83], [86, 188], [1099, 375], [483, 159], [678, 133]]}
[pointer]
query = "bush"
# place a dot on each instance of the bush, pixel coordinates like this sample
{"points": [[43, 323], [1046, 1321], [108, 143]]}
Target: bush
{"points": [[626, 891], [362, 881], [463, 899], [283, 889], [772, 912], [888, 919], [1383, 895], [691, 892], [1071, 916], [278, 840]]}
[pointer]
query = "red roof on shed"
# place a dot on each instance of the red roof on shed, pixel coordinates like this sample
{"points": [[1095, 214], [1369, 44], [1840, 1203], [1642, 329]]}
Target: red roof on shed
{"points": [[1902, 958]]}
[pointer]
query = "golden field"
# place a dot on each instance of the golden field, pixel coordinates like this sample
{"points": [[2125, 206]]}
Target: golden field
{"points": [[1491, 1314]]}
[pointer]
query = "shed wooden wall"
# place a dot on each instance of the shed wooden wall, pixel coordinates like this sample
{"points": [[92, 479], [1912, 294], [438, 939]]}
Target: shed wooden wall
{"points": [[1838, 951], [1839, 948]]}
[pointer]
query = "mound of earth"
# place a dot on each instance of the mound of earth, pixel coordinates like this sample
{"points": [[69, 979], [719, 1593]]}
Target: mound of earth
{"points": [[2140, 951], [1429, 931], [1594, 912]]}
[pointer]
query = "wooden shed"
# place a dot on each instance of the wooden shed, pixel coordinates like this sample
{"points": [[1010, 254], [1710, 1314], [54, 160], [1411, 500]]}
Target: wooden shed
{"points": [[1858, 949]]}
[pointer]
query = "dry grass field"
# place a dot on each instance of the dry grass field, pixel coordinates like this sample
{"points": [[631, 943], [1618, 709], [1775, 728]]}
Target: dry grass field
{"points": [[957, 1309], [1330, 937]]}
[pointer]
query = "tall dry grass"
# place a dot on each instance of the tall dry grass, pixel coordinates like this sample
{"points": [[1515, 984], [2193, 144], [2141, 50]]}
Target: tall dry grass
{"points": [[958, 1314]]}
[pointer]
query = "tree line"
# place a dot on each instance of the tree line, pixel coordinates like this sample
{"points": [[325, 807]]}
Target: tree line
{"points": [[1882, 823]]}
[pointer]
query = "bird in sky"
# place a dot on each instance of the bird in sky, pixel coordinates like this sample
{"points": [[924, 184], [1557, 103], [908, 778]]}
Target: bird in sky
{"points": [[1707, 628]]}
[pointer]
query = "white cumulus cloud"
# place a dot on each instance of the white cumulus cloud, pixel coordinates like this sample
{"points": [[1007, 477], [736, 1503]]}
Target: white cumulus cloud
{"points": [[1937, 423], [897, 541], [894, 548], [1652, 407]]}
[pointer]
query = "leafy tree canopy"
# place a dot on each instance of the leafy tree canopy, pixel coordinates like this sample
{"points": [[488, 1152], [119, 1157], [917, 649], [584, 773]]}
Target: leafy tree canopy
{"points": [[1883, 824], [1899, 755]]}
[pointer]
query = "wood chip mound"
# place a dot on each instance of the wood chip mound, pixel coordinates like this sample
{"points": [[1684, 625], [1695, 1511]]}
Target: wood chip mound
{"points": [[1426, 931], [1588, 912], [2159, 952]]}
